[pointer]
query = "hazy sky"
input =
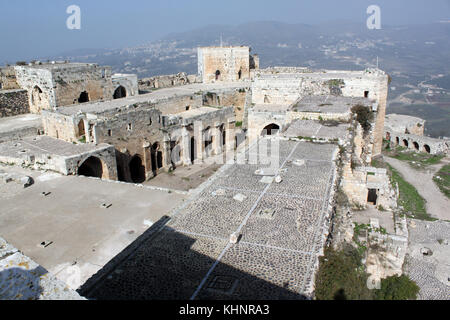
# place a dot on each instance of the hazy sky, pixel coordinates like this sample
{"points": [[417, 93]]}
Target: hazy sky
{"points": [[31, 28]]}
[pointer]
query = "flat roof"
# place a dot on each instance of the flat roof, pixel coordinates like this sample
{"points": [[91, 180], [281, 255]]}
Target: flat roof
{"points": [[45, 145], [153, 97], [330, 103]]}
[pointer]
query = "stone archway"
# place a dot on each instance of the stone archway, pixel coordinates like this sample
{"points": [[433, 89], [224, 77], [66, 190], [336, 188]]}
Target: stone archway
{"points": [[81, 129], [416, 145], [137, 169], [405, 143], [39, 100], [120, 92], [270, 129], [91, 167], [426, 148]]}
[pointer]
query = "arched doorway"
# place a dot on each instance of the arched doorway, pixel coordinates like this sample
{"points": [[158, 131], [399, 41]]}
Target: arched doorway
{"points": [[405, 143], [81, 128], [137, 170], [120, 92], [38, 100], [426, 148], [416, 146], [397, 140], [157, 160], [84, 97], [217, 74], [91, 167], [270, 129]]}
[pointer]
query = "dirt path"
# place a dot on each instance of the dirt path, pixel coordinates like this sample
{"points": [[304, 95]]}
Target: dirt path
{"points": [[438, 205]]}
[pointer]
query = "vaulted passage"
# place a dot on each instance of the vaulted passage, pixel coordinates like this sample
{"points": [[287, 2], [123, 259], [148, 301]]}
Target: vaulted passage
{"points": [[137, 170], [92, 167], [120, 92], [270, 129], [84, 97], [426, 148], [416, 146]]}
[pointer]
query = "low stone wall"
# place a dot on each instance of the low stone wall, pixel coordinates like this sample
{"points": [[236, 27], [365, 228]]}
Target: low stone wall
{"points": [[342, 117], [13, 103], [165, 81]]}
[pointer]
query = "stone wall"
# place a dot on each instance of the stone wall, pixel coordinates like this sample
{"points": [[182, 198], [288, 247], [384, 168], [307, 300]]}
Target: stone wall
{"points": [[235, 98], [13, 102], [71, 82], [8, 79], [357, 182], [62, 84], [283, 86], [40, 87], [404, 124], [128, 81], [165, 81], [223, 64], [418, 143]]}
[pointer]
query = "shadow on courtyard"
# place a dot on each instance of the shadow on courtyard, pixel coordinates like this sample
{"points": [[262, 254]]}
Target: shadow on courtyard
{"points": [[21, 284], [161, 265]]}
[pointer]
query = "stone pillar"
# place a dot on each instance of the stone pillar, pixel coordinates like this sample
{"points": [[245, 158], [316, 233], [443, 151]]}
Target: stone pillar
{"points": [[199, 140], [217, 137], [148, 160], [230, 134], [186, 147], [167, 163]]}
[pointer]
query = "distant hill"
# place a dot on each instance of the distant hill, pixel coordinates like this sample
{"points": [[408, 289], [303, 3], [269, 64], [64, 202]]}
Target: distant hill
{"points": [[412, 55]]}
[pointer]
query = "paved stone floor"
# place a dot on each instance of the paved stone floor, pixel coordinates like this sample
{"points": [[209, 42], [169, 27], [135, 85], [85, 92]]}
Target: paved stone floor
{"points": [[431, 272], [281, 228]]}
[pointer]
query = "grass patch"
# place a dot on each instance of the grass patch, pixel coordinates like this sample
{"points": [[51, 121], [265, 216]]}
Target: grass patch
{"points": [[442, 180], [416, 160], [342, 276], [397, 288], [238, 124], [412, 203]]}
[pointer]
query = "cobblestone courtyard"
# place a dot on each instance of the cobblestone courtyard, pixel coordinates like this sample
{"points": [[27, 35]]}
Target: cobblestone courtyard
{"points": [[281, 227]]}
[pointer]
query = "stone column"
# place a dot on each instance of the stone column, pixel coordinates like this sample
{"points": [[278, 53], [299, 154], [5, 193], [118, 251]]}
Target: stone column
{"points": [[230, 134], [148, 160], [217, 137], [199, 140], [186, 147], [167, 163]]}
